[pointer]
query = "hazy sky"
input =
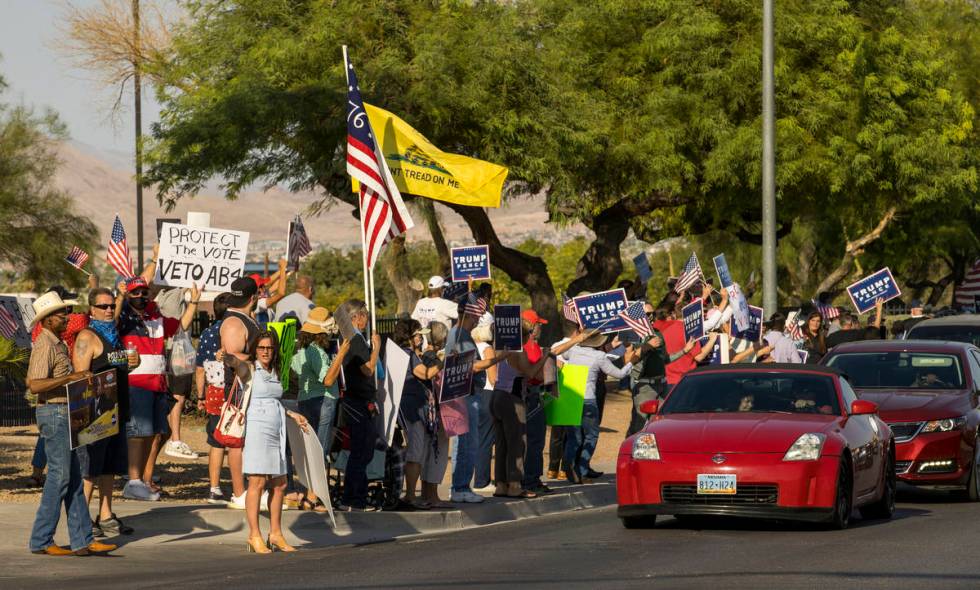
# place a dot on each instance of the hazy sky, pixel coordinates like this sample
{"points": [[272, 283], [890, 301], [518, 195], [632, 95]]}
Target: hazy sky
{"points": [[39, 75]]}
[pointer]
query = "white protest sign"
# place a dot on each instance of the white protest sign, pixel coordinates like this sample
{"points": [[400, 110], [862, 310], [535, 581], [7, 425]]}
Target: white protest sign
{"points": [[208, 257], [311, 469], [396, 368]]}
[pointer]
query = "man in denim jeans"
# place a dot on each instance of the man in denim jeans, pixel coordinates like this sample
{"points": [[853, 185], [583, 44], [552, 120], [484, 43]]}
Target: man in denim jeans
{"points": [[49, 371]]}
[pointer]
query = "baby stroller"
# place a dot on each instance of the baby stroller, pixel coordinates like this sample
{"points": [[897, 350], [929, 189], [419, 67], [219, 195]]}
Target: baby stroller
{"points": [[385, 472]]}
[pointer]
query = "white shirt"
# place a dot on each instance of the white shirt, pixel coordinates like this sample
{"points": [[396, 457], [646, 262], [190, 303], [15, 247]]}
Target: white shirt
{"points": [[294, 305], [480, 347], [435, 309], [714, 319], [597, 362]]}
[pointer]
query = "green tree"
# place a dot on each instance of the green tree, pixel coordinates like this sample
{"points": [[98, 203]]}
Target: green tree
{"points": [[38, 223]]}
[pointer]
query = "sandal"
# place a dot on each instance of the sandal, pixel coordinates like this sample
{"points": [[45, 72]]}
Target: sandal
{"points": [[422, 505], [525, 494], [309, 505]]}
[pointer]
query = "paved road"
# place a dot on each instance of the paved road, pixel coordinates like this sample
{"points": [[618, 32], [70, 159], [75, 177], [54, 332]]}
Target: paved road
{"points": [[931, 542]]}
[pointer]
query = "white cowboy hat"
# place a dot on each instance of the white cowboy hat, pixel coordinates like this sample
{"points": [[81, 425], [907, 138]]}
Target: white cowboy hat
{"points": [[47, 304]]}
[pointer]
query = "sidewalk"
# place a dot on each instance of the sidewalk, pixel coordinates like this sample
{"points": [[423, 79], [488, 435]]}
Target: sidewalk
{"points": [[165, 523]]}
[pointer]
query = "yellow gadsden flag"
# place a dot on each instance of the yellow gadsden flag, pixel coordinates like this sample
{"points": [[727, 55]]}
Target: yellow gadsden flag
{"points": [[420, 168]]}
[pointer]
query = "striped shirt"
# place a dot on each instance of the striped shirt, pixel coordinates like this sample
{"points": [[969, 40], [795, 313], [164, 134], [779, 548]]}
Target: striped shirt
{"points": [[148, 334], [49, 358]]}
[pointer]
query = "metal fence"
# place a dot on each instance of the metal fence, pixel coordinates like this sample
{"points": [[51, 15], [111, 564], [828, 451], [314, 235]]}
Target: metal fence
{"points": [[14, 409]]}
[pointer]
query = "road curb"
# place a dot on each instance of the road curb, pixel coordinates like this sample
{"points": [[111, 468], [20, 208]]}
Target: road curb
{"points": [[204, 521]]}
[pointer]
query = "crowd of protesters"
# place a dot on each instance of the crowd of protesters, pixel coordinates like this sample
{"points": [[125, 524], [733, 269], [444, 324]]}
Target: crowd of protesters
{"points": [[335, 384]]}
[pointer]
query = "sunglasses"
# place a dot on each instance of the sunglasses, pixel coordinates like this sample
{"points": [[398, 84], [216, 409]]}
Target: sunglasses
{"points": [[258, 348], [63, 312], [140, 294]]}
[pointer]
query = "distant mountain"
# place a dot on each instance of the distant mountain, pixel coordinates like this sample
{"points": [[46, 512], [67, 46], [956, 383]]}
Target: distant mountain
{"points": [[102, 187]]}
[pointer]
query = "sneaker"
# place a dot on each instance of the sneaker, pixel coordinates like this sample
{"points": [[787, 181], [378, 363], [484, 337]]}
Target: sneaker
{"points": [[466, 497], [135, 489], [237, 502], [364, 508], [216, 497], [113, 526], [179, 449], [490, 487], [97, 531]]}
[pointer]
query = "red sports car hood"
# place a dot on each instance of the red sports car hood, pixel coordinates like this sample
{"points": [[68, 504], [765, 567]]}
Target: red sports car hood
{"points": [[734, 432], [914, 405]]}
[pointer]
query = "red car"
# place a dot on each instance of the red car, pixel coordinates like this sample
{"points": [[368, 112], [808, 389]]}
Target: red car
{"points": [[767, 441], [926, 391]]}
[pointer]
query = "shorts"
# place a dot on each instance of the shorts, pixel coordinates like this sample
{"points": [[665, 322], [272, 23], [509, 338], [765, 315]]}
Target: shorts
{"points": [[109, 456], [436, 458], [209, 428], [416, 438], [180, 385], [147, 413]]}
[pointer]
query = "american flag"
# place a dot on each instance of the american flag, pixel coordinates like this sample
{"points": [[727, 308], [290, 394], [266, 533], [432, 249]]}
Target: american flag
{"points": [[636, 319], [117, 255], [970, 287], [383, 213], [829, 312], [475, 306], [568, 309], [690, 275], [793, 327], [8, 325], [77, 257]]}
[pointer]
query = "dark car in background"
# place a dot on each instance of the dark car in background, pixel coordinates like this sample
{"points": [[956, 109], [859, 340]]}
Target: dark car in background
{"points": [[927, 392], [954, 328]]}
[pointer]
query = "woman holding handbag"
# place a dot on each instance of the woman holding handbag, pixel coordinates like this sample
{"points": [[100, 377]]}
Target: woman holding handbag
{"points": [[264, 454]]}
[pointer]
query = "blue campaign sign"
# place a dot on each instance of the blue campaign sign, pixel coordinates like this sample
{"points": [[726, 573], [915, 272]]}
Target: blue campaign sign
{"points": [[693, 314], [507, 328], [471, 262], [724, 275], [880, 285], [456, 377], [600, 310], [754, 331], [643, 270]]}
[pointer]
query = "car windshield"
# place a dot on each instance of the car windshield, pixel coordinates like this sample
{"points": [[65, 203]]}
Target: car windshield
{"points": [[968, 334], [918, 370], [733, 392]]}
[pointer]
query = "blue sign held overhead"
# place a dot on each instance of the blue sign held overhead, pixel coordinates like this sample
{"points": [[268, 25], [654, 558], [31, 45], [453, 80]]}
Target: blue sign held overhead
{"points": [[471, 262], [643, 270], [693, 314], [754, 331], [507, 328], [880, 285], [600, 310], [456, 377], [454, 291], [721, 267]]}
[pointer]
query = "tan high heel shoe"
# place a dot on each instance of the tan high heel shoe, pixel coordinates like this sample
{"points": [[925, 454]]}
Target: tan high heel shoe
{"points": [[278, 543], [257, 545]]}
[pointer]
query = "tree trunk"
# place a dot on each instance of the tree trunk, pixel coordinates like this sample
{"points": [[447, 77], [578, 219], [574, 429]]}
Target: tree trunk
{"points": [[426, 208], [394, 260], [852, 250], [527, 270]]}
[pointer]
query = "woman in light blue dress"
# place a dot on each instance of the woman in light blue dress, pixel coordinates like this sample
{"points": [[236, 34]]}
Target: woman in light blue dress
{"points": [[264, 455]]}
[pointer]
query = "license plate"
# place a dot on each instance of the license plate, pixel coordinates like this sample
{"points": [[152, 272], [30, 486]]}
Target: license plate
{"points": [[715, 483]]}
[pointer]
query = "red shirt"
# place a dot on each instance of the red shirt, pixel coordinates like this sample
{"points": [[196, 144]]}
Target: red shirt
{"points": [[76, 323], [673, 331], [533, 351]]}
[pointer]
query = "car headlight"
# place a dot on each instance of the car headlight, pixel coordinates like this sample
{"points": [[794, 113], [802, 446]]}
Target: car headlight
{"points": [[645, 447], [806, 448], [944, 425]]}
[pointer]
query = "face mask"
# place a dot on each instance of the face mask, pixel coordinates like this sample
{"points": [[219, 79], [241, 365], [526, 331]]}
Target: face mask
{"points": [[137, 303]]}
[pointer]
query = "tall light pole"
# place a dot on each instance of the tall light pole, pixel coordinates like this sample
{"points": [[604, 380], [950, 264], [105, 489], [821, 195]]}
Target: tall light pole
{"points": [[139, 133], [769, 295]]}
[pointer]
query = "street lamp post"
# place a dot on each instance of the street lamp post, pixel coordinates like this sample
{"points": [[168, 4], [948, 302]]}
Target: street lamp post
{"points": [[769, 295], [137, 108]]}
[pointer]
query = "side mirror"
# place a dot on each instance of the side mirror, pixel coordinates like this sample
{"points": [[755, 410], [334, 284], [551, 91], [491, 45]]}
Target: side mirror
{"points": [[649, 407], [861, 406]]}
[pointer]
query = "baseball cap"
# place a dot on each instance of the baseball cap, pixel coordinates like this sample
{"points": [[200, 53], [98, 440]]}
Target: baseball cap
{"points": [[532, 316], [259, 281], [242, 289], [134, 283], [436, 282]]}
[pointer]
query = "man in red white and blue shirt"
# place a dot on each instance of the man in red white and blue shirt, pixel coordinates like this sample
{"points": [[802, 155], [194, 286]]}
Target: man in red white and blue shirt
{"points": [[143, 328]]}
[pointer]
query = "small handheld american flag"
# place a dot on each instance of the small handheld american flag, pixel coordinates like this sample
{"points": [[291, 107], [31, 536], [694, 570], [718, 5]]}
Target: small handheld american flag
{"points": [[794, 328], [568, 309], [298, 243], [829, 312], [636, 319], [475, 306], [117, 255], [690, 275], [8, 325], [77, 258]]}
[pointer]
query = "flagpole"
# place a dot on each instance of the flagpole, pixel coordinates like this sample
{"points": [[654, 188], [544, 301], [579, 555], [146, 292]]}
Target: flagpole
{"points": [[368, 273], [79, 268]]}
